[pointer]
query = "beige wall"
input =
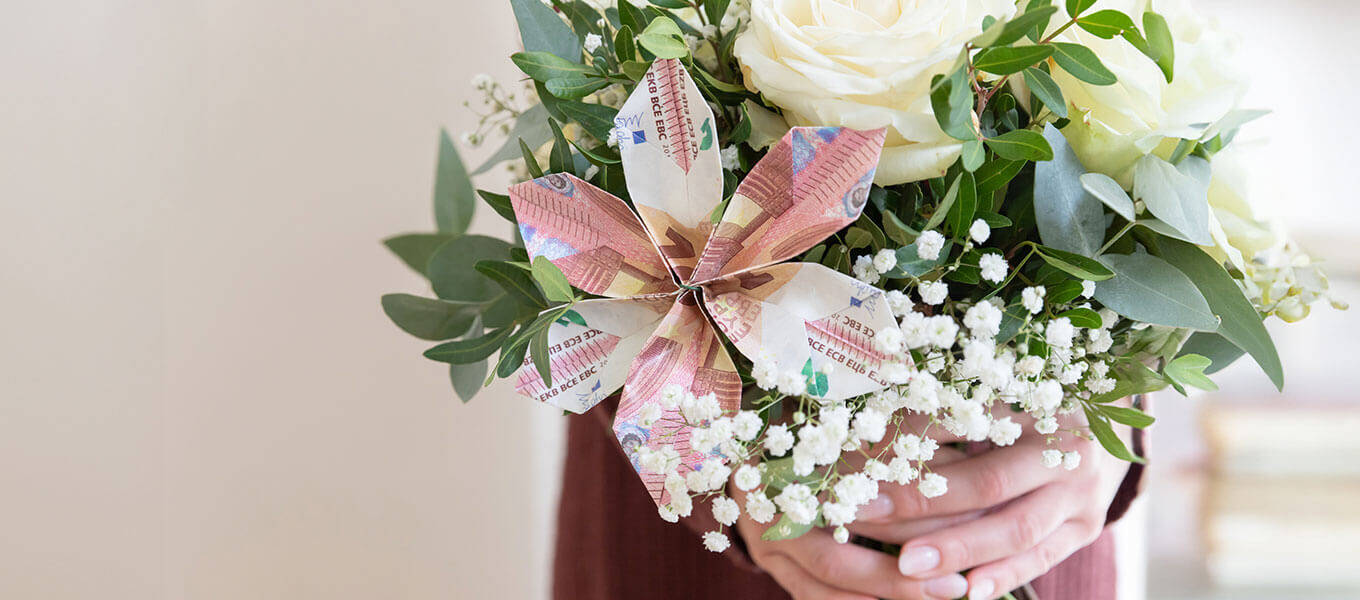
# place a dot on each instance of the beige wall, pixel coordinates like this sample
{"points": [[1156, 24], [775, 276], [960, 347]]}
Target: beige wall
{"points": [[201, 397]]}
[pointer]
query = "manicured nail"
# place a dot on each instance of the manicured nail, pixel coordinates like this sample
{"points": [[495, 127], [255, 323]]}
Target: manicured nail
{"points": [[875, 509], [949, 586], [921, 559], [982, 590]]}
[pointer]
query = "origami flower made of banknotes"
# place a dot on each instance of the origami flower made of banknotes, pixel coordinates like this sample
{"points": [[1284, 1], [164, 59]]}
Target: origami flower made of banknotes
{"points": [[670, 276]]}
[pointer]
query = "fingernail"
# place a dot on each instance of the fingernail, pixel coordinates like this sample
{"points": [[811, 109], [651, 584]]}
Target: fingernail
{"points": [[921, 559], [982, 590], [949, 586], [875, 509]]}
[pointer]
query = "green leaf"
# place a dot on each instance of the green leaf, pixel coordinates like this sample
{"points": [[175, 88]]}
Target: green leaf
{"points": [[663, 38], [1047, 90], [596, 119], [1068, 218], [974, 153], [551, 280], [544, 66], [1082, 63], [538, 351], [1030, 20], [1064, 291], [1083, 317], [996, 174], [961, 213], [1132, 417], [531, 163], [1132, 378], [452, 271], [910, 263], [531, 125], [631, 16], [559, 159], [896, 230], [1107, 190], [1145, 288], [541, 30], [573, 88], [428, 318], [1215, 347], [624, 46], [1076, 7], [715, 10], [1005, 60], [454, 201], [945, 205], [991, 32], [1188, 369], [1176, 194], [1106, 23], [516, 282], [415, 249], [670, 3], [785, 529], [499, 203], [1021, 144], [512, 353], [1241, 323], [856, 238], [460, 352], [994, 220], [1074, 264], [951, 99], [467, 379], [1161, 45], [1100, 427]]}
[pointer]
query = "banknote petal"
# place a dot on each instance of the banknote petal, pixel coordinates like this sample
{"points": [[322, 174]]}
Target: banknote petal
{"points": [[590, 349], [668, 143], [759, 311], [591, 235], [684, 350], [811, 184]]}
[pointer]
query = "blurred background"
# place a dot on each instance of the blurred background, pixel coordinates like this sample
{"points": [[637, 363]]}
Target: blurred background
{"points": [[201, 397]]}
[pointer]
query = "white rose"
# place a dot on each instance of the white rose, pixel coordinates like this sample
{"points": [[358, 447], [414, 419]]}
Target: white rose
{"points": [[1239, 236], [1115, 125], [864, 64]]}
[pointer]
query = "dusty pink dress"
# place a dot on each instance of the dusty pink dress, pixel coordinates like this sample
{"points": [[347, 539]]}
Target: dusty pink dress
{"points": [[611, 545]]}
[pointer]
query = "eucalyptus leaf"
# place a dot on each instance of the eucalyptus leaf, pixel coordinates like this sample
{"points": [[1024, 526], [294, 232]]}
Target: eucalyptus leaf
{"points": [[1074, 264], [1146, 288], [415, 249], [1068, 218], [1215, 347], [1176, 194], [910, 263], [973, 155], [542, 30], [1107, 190], [429, 318], [452, 273], [454, 199], [531, 126], [467, 379]]}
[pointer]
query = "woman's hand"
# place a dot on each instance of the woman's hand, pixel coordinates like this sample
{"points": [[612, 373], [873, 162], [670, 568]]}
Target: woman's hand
{"points": [[1035, 516]]}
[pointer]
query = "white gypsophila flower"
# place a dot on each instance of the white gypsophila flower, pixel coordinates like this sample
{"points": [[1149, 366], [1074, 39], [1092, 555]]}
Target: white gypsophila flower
{"points": [[759, 507], [983, 320], [592, 43], [870, 426], [972, 421], [1100, 385], [902, 471], [838, 514], [929, 244], [1048, 395], [1108, 318], [980, 231], [661, 461], [1004, 432], [933, 292], [1088, 288], [885, 260], [778, 440], [730, 157], [913, 447], [895, 373], [649, 414], [913, 327], [798, 502], [766, 374], [1046, 426], [482, 81], [923, 394], [889, 340], [898, 303], [941, 331], [682, 504], [709, 408], [1100, 341], [993, 266], [1071, 460], [1072, 373], [747, 478], [746, 425], [864, 269], [877, 470], [933, 485], [856, 489], [1032, 298], [1059, 333], [1029, 366], [1100, 369], [1050, 459], [725, 510], [792, 383], [671, 396], [841, 535], [667, 514], [716, 542]]}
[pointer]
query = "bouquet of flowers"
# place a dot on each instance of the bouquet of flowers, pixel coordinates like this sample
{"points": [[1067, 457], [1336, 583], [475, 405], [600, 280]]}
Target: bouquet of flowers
{"points": [[780, 229]]}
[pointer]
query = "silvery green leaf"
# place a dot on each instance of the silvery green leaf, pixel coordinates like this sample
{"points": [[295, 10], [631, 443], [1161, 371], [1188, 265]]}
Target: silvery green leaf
{"points": [[1068, 218], [467, 379], [1178, 195], [1231, 122], [542, 30], [454, 198], [531, 126], [1148, 289], [1107, 190]]}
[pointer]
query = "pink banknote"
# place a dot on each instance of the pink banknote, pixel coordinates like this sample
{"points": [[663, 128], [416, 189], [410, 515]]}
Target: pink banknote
{"points": [[673, 280]]}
